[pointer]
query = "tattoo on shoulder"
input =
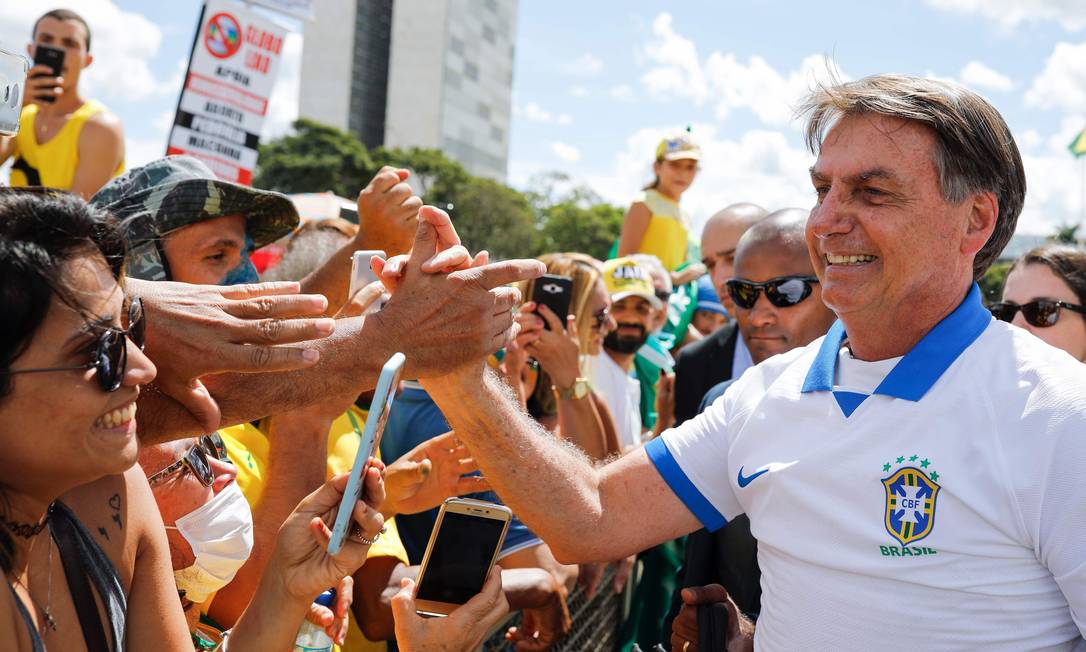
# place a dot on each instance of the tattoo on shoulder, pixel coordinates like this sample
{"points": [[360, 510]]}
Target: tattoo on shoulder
{"points": [[115, 505]]}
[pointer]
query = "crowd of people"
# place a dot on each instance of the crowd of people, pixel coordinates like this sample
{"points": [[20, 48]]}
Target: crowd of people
{"points": [[811, 416]]}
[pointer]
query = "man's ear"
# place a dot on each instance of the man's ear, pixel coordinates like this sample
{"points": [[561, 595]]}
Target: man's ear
{"points": [[983, 215]]}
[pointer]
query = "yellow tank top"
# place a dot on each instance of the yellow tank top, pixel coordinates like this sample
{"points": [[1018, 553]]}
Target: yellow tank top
{"points": [[666, 237], [54, 162]]}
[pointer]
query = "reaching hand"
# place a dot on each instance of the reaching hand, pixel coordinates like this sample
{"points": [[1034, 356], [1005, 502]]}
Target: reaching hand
{"points": [[684, 629], [388, 212], [301, 551], [448, 322], [199, 330], [541, 628], [690, 273], [335, 623], [557, 349], [461, 631], [428, 474], [357, 305]]}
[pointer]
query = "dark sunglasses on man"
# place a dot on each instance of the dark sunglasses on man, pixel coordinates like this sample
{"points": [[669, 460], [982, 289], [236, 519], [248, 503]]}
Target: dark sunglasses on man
{"points": [[110, 351], [1041, 313], [783, 291], [196, 459]]}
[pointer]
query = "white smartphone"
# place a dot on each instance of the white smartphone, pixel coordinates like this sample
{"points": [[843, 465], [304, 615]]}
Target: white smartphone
{"points": [[464, 544], [362, 275], [13, 69], [367, 447]]}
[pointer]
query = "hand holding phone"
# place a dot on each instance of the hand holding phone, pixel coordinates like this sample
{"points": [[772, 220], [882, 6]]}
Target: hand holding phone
{"points": [[555, 292], [46, 75], [383, 396], [464, 544]]}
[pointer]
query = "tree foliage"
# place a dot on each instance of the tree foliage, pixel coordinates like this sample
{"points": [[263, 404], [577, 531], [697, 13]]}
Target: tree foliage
{"points": [[554, 214], [991, 284], [1066, 234]]}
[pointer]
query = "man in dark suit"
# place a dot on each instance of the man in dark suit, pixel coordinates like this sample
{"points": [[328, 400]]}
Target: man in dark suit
{"points": [[771, 260], [714, 359]]}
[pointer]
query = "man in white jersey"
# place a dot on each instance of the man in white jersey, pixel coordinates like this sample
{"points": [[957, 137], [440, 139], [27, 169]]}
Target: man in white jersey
{"points": [[916, 485]]}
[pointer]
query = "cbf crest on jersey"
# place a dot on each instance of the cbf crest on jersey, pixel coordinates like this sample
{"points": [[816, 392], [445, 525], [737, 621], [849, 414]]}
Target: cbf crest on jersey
{"points": [[910, 504]]}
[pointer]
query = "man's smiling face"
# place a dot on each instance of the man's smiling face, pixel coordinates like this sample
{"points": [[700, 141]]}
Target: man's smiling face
{"points": [[881, 235]]}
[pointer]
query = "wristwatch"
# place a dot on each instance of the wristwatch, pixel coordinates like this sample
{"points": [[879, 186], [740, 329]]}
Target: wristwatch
{"points": [[578, 390]]}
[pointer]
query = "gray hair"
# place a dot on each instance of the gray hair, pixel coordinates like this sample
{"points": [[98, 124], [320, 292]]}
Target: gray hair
{"points": [[975, 151]]}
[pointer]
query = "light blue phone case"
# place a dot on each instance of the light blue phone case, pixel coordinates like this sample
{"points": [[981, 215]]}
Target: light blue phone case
{"points": [[367, 447]]}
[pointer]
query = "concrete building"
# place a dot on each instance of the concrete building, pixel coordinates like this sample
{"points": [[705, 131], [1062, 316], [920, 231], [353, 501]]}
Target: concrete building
{"points": [[415, 73]]}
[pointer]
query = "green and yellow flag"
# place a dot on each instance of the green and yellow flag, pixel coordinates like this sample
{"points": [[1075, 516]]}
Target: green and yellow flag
{"points": [[1078, 145]]}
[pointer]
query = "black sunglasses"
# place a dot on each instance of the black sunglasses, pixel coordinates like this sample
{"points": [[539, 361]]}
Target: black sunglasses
{"points": [[1041, 313], [110, 351], [196, 460], [783, 291]]}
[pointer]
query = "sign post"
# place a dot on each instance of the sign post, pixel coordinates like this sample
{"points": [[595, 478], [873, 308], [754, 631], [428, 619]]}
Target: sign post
{"points": [[232, 69]]}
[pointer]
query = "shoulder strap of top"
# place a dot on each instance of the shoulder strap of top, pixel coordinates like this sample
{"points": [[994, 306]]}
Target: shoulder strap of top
{"points": [[35, 638], [83, 559]]}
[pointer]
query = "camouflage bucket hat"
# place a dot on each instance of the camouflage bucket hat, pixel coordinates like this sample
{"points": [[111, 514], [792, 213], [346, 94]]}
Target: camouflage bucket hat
{"points": [[176, 191]]}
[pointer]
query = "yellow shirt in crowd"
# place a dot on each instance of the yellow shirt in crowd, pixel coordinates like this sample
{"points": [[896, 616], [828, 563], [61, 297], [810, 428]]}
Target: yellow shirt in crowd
{"points": [[248, 448], [667, 235], [52, 163]]}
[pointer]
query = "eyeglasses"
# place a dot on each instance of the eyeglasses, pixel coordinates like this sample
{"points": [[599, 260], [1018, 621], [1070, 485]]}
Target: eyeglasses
{"points": [[196, 460], [663, 295], [783, 291], [1041, 313], [599, 318], [110, 351]]}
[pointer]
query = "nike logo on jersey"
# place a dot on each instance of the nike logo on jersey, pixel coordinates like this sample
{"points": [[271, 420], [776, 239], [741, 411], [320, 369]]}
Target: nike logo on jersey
{"points": [[744, 480]]}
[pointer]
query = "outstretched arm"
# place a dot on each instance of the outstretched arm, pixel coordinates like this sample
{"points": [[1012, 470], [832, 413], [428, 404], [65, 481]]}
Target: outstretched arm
{"points": [[551, 485]]}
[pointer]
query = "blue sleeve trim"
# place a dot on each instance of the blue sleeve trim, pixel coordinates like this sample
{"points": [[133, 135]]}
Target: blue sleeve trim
{"points": [[673, 475]]}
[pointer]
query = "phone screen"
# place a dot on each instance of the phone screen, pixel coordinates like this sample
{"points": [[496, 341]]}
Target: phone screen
{"points": [[460, 558], [13, 69]]}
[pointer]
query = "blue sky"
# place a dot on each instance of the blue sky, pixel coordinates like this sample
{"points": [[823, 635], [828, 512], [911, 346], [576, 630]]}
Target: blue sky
{"points": [[596, 84]]}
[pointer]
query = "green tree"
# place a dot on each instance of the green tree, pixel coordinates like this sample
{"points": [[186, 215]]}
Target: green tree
{"points": [[495, 217], [991, 284], [570, 226], [440, 176], [314, 158], [1066, 234]]}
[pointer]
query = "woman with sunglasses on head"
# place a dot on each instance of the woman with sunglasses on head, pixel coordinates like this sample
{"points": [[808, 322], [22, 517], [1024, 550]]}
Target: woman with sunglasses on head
{"points": [[1045, 293], [545, 363], [81, 543]]}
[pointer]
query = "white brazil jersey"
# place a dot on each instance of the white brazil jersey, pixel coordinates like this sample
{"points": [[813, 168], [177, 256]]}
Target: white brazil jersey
{"points": [[945, 511]]}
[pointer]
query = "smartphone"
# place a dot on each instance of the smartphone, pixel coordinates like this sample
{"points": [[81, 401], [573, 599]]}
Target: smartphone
{"points": [[52, 57], [362, 275], [13, 69], [464, 544], [555, 292], [383, 396]]}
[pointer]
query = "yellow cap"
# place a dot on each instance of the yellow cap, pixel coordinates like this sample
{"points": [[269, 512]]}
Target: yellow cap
{"points": [[624, 277]]}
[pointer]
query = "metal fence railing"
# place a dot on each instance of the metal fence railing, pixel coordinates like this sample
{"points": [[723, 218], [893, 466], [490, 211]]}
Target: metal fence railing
{"points": [[595, 621]]}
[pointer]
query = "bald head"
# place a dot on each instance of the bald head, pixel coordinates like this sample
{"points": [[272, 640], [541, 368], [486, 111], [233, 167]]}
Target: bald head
{"points": [[782, 231], [719, 239]]}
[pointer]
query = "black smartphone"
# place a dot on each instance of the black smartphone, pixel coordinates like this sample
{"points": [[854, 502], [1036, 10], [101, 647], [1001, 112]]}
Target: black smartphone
{"points": [[54, 58], [555, 292]]}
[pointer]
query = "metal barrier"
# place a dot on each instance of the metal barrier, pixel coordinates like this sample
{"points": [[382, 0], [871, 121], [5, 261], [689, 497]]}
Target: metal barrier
{"points": [[595, 621]]}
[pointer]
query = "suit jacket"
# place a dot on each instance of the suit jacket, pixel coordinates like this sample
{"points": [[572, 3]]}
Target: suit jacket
{"points": [[700, 366]]}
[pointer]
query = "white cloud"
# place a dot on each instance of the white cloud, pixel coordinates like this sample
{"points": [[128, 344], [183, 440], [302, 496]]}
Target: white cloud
{"points": [[1071, 14], [566, 152], [586, 65], [1062, 83], [676, 72], [1028, 140], [760, 166], [622, 93], [283, 103], [977, 75], [536, 113], [578, 91]]}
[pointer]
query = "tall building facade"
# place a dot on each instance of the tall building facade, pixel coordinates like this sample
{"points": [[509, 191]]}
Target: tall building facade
{"points": [[415, 73]]}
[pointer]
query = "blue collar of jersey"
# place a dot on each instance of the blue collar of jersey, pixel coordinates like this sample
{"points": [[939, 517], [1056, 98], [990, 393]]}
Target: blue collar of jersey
{"points": [[914, 374]]}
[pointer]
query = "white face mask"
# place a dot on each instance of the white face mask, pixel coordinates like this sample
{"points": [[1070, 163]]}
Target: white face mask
{"points": [[220, 533]]}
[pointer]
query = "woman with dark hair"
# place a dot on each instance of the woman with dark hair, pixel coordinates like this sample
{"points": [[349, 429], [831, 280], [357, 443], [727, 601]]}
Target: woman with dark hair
{"points": [[82, 546], [1045, 293]]}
